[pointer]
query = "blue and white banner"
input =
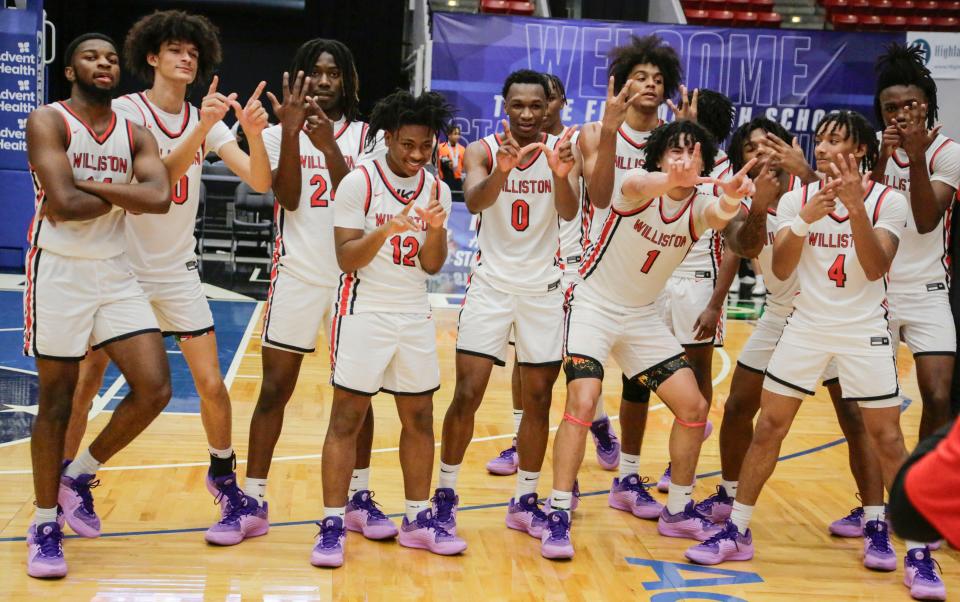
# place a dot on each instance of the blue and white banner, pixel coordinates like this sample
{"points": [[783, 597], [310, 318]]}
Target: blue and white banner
{"points": [[21, 76]]}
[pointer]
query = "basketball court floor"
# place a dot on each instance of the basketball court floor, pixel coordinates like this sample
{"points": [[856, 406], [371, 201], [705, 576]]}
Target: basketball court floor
{"points": [[155, 508]]}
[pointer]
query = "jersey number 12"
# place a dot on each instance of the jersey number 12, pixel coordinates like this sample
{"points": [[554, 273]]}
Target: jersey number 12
{"points": [[411, 244]]}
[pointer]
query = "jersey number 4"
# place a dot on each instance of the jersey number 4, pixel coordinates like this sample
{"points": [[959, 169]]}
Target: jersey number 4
{"points": [[316, 199], [836, 271], [411, 244]]}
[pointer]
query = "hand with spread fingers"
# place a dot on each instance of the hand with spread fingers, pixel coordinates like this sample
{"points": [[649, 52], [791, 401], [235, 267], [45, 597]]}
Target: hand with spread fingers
{"points": [[890, 139], [402, 222], [853, 185], [215, 105], [912, 128], [686, 172], [688, 106], [615, 111], [821, 203], [739, 185], [788, 157], [767, 184], [434, 216], [560, 158], [292, 112], [509, 153], [253, 115], [319, 127]]}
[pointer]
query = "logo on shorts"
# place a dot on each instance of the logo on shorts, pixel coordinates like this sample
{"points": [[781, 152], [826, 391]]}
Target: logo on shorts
{"points": [[936, 286], [879, 341], [553, 287], [192, 265]]}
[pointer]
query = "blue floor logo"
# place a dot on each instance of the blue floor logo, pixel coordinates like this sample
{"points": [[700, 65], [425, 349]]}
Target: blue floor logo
{"points": [[670, 577]]}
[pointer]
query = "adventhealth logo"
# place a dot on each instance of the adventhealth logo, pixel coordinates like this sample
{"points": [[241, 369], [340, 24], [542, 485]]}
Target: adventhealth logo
{"points": [[924, 47]]}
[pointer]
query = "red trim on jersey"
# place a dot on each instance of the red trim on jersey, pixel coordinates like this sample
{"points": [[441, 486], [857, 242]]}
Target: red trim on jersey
{"points": [[947, 224], [721, 176], [631, 213], [29, 310], [347, 294], [535, 156], [102, 137], [366, 201], [399, 198], [343, 129], [630, 141], [603, 242], [363, 137], [137, 107], [904, 165], [670, 220], [183, 126], [486, 147], [937, 152], [876, 208]]}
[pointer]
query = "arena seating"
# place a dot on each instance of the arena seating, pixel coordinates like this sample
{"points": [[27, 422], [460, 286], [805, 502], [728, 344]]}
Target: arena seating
{"points": [[892, 15], [737, 13]]}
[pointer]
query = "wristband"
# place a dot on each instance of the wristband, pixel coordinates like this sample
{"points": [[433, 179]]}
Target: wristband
{"points": [[723, 212], [799, 227]]}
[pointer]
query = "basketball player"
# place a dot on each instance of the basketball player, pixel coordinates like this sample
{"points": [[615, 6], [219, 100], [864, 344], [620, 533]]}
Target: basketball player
{"points": [[80, 290], [318, 141], [573, 238], [642, 74], [519, 181], [755, 238], [654, 219], [840, 314], [384, 338], [171, 50]]}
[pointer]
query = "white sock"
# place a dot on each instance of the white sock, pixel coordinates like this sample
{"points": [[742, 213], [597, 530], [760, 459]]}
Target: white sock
{"points": [[730, 487], [414, 508], [45, 515], [873, 513], [677, 497], [84, 463], [448, 475], [223, 454], [360, 480], [560, 500], [526, 483], [911, 544], [629, 464], [338, 512], [255, 488], [740, 516], [517, 417], [601, 412]]}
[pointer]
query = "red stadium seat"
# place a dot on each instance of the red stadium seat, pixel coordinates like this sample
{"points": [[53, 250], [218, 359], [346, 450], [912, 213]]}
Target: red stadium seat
{"points": [[881, 7], [498, 7], [927, 6], [919, 23], [833, 5], [692, 4], [697, 16], [859, 7], [761, 6], [949, 8], [721, 17], [745, 19], [844, 21], [870, 22], [769, 19], [894, 22], [946, 23], [713, 4], [522, 7], [904, 7]]}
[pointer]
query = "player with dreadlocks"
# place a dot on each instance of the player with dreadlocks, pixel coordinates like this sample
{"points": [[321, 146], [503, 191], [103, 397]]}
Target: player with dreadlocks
{"points": [[390, 235], [318, 141], [840, 236]]}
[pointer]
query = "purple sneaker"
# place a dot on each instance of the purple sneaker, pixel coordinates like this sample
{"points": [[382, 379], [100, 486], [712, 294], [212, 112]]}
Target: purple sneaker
{"points": [[445, 503], [663, 485], [363, 516], [427, 534], [76, 501], [631, 495], [506, 463], [328, 546], [525, 515], [688, 524], [226, 492], [920, 575], [45, 551], [728, 544], [878, 554], [850, 525], [608, 446], [717, 507], [555, 542], [243, 520]]}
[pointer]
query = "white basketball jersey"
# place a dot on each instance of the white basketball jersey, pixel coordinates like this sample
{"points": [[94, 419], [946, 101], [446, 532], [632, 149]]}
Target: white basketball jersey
{"points": [[104, 158], [519, 235], [921, 261], [835, 296], [780, 293], [304, 246], [369, 197], [704, 257], [638, 250], [574, 234], [161, 246]]}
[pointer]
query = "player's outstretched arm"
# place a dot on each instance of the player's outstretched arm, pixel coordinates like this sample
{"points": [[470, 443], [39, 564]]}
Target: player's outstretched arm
{"points": [[745, 235], [599, 145], [433, 253], [47, 154], [254, 169], [929, 199], [286, 178], [788, 244], [151, 192], [734, 189]]}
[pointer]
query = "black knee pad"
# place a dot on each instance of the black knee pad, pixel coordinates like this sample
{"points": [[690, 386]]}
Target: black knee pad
{"points": [[581, 366], [654, 376], [633, 391]]}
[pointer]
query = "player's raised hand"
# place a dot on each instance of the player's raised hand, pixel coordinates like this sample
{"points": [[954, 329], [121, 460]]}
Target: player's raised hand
{"points": [[293, 111], [688, 106], [215, 105], [821, 203], [912, 127], [615, 111], [890, 139], [253, 115], [434, 216], [739, 185], [508, 153], [788, 157], [560, 158], [402, 222], [767, 184], [318, 126], [686, 172], [853, 185]]}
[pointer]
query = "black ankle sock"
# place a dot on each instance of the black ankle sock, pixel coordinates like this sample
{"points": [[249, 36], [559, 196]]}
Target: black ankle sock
{"points": [[221, 467]]}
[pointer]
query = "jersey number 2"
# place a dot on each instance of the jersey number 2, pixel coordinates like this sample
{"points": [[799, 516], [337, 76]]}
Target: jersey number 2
{"points": [[316, 199], [520, 215], [836, 272], [411, 244]]}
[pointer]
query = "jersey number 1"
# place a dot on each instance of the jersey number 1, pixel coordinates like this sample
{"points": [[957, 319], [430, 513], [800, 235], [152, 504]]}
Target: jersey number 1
{"points": [[836, 272], [651, 257], [411, 244]]}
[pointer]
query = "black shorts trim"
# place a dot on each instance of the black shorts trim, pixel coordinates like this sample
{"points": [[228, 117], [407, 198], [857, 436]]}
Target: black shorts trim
{"points": [[43, 356], [540, 364], [286, 347], [567, 371], [129, 335], [831, 381], [354, 391], [632, 391], [945, 353], [874, 398], [652, 378], [656, 366], [189, 334], [497, 361], [786, 384], [405, 394], [750, 368]]}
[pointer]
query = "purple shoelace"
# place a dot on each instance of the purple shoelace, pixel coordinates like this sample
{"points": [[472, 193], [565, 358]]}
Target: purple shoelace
{"points": [[82, 486]]}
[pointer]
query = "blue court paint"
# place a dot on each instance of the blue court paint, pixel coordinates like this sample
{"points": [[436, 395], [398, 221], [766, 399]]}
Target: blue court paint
{"points": [[671, 577]]}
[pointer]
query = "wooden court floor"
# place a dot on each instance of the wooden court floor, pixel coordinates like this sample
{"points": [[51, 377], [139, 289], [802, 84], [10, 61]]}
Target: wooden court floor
{"points": [[155, 508]]}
